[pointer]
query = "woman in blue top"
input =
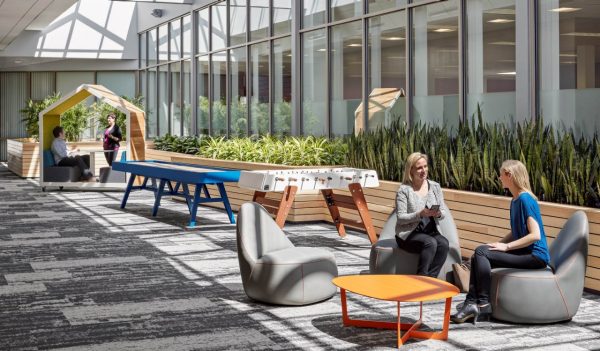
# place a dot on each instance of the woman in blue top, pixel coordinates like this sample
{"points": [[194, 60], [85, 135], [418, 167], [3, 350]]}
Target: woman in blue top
{"points": [[524, 247]]}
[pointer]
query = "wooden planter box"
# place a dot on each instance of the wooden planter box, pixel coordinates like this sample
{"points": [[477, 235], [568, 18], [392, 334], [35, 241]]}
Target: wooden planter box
{"points": [[24, 156], [480, 218]]}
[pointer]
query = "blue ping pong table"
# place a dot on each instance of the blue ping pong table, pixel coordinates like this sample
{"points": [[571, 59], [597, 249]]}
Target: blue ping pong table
{"points": [[183, 175]]}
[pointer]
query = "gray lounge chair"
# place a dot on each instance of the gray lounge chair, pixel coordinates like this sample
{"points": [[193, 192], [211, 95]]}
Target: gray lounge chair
{"points": [[541, 295], [387, 258], [273, 269]]}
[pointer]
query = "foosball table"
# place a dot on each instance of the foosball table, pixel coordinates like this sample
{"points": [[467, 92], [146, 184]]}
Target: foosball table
{"points": [[326, 180]]}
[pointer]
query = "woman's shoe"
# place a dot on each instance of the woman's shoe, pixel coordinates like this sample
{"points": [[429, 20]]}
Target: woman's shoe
{"points": [[485, 312], [467, 312]]}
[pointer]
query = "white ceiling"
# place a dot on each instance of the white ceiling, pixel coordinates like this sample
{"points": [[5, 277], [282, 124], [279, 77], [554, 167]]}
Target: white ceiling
{"points": [[19, 15]]}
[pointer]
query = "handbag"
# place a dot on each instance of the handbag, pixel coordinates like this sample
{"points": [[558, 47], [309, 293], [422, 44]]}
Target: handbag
{"points": [[462, 273]]}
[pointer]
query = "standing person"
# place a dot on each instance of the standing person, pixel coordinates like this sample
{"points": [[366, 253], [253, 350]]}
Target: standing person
{"points": [[524, 246], [419, 207], [65, 157], [111, 139]]}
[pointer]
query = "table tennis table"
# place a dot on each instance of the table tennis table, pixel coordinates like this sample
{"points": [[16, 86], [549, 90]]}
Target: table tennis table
{"points": [[174, 179]]}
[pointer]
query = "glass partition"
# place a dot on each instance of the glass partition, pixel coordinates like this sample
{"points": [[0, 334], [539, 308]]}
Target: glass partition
{"points": [[237, 22], [238, 103], [314, 83], [259, 19], [282, 86], [219, 94], [259, 89]]}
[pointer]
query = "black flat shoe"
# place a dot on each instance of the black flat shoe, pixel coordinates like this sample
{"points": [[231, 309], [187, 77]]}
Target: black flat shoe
{"points": [[469, 311]]}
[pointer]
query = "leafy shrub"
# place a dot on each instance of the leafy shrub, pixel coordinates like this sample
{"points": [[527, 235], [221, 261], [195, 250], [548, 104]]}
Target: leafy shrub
{"points": [[31, 114]]}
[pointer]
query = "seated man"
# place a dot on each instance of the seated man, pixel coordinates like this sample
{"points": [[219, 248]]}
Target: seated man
{"points": [[65, 157]]}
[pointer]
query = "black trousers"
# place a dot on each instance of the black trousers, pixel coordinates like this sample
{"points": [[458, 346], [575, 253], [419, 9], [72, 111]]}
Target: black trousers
{"points": [[110, 156], [482, 262], [432, 249], [83, 161]]}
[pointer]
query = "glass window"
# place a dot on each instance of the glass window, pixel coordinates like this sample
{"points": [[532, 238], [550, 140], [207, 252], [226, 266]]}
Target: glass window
{"points": [[186, 97], [219, 26], [163, 100], [343, 9], [314, 13], [259, 19], [121, 83], [175, 108], [143, 50], [435, 68], [237, 23], [152, 46], [238, 103], [386, 71], [314, 87], [569, 58], [259, 88], [379, 5], [175, 52], [187, 36], [282, 86], [346, 76], [491, 67], [202, 92], [219, 94], [163, 43], [151, 100], [203, 31], [282, 16]]}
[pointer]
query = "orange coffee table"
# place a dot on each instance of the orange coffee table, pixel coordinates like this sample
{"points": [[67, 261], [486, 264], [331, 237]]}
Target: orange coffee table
{"points": [[399, 288]]}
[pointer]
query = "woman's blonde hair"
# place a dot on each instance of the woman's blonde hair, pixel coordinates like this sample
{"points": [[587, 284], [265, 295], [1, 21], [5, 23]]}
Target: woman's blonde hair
{"points": [[411, 160], [518, 173]]}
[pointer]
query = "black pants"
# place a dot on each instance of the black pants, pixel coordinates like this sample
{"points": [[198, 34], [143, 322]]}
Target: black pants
{"points": [[110, 156], [82, 161], [482, 262], [432, 250]]}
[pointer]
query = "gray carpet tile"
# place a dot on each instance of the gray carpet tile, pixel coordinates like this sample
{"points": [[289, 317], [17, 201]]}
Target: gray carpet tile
{"points": [[79, 273]]}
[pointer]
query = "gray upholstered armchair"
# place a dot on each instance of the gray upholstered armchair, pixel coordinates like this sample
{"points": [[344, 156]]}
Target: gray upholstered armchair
{"points": [[543, 296], [273, 269], [387, 258]]}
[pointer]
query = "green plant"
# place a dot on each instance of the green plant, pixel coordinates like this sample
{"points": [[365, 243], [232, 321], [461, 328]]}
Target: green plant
{"points": [[31, 114], [74, 121]]}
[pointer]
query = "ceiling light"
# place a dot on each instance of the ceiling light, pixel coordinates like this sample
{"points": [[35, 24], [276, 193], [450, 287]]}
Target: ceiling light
{"points": [[501, 20], [322, 50], [582, 34], [568, 55], [507, 73], [506, 43], [355, 45], [566, 9], [18, 61], [392, 38], [443, 30]]}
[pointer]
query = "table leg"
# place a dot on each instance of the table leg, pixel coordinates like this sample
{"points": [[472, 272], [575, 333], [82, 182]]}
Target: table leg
{"points": [[159, 192], [226, 202], [194, 211], [127, 190]]}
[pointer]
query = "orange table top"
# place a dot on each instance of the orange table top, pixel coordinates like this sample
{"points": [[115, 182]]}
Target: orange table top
{"points": [[405, 288]]}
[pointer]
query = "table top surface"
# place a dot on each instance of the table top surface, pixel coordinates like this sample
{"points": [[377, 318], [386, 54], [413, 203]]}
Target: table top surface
{"points": [[391, 287]]}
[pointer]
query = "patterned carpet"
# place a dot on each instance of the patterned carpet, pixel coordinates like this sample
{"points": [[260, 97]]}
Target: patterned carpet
{"points": [[79, 273]]}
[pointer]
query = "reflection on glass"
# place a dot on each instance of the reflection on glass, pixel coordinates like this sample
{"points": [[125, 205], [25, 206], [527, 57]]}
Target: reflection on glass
{"points": [[163, 100], [175, 40], [186, 91], [237, 16], [259, 89], [315, 13], [175, 109], [163, 43], [187, 36], [259, 19], [314, 83], [491, 67], [387, 71], [238, 103], [203, 31], [152, 46], [379, 5], [435, 67], [151, 104], [282, 86], [219, 26], [346, 76], [202, 92], [219, 94], [569, 59], [143, 50], [343, 9], [282, 16]]}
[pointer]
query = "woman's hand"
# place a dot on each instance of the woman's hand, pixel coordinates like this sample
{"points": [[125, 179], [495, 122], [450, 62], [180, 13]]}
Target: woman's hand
{"points": [[499, 246], [426, 212]]}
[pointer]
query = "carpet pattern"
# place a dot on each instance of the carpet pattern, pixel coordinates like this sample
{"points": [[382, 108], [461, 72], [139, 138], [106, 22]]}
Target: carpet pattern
{"points": [[79, 273]]}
